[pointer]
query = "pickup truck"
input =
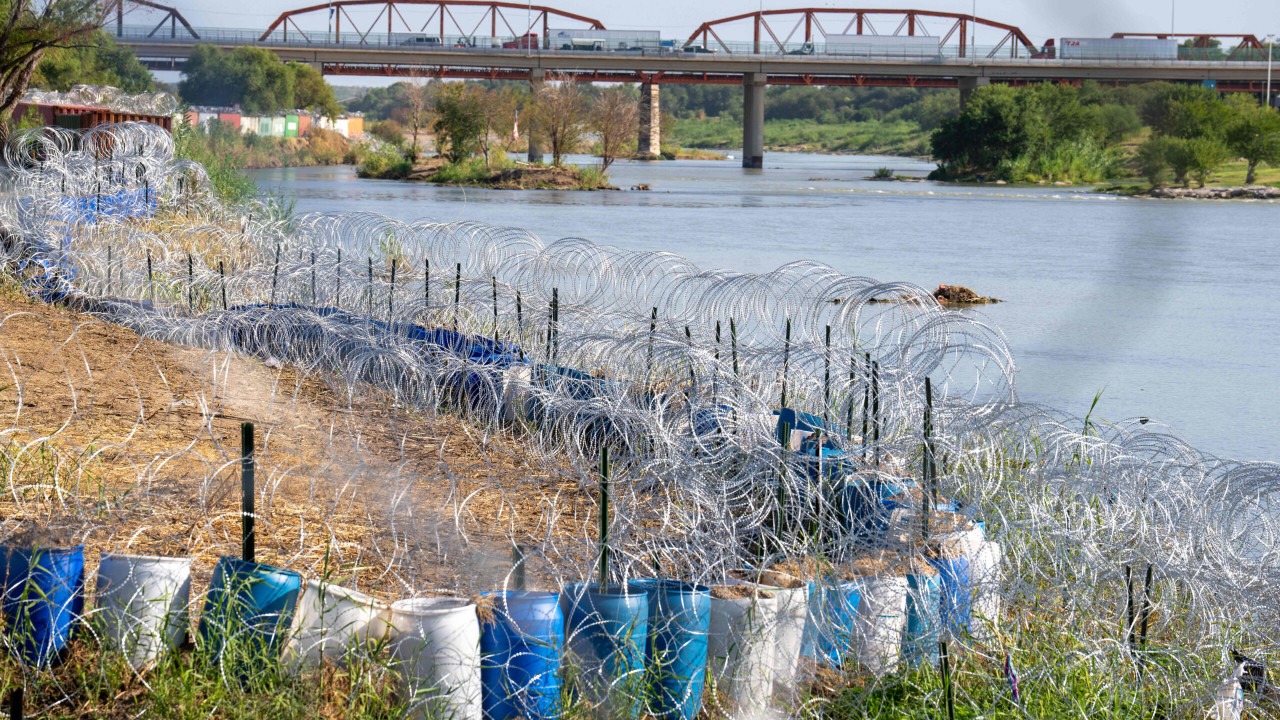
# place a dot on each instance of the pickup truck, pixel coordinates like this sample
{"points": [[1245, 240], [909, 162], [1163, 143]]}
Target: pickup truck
{"points": [[524, 42]]}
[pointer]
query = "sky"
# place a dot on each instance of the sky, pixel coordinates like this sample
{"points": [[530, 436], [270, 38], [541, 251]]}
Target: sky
{"points": [[1039, 19]]}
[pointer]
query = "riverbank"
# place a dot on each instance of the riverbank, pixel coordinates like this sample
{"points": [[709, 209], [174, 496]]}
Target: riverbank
{"points": [[871, 137], [1238, 192], [502, 175]]}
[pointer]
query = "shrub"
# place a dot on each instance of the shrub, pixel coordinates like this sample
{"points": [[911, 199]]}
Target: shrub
{"points": [[882, 173]]}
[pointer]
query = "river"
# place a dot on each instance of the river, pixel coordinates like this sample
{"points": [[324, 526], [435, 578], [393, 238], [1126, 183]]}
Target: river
{"points": [[1162, 303]]}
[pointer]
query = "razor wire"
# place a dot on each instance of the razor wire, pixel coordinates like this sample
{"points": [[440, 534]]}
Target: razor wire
{"points": [[747, 413]]}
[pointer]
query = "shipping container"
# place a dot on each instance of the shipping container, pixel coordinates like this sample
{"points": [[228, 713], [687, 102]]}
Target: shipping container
{"points": [[610, 39], [304, 125], [1117, 49], [232, 119], [354, 127], [70, 121], [192, 118], [291, 126], [914, 46], [277, 127], [264, 126], [203, 118], [248, 125]]}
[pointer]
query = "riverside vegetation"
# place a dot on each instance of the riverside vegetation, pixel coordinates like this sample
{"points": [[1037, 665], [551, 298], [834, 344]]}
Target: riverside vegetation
{"points": [[475, 129]]}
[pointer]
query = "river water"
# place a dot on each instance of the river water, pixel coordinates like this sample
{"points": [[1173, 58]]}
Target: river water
{"points": [[1162, 303]]}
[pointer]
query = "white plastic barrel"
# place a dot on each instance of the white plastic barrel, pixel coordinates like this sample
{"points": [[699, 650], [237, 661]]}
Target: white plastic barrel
{"points": [[516, 386], [792, 606], [142, 602], [741, 650], [985, 578], [332, 621], [881, 618], [436, 644]]}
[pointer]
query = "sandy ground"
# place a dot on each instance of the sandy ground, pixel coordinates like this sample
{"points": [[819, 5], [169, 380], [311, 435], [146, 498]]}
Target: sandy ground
{"points": [[133, 445]]}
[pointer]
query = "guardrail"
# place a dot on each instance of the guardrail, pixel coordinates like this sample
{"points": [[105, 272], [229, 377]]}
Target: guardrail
{"points": [[745, 50]]}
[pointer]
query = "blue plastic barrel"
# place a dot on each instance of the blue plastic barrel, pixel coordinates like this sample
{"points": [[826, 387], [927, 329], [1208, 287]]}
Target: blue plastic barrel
{"points": [[247, 613], [605, 634], [833, 608], [676, 651], [955, 594], [920, 638], [520, 656], [865, 505], [43, 598]]}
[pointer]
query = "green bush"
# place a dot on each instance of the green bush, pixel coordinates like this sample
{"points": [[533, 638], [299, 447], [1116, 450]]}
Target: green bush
{"points": [[385, 162]]}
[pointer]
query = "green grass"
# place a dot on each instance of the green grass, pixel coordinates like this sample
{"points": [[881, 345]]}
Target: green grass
{"points": [[869, 137]]}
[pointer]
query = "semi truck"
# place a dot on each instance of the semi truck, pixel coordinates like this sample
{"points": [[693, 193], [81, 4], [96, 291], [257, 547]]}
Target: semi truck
{"points": [[1117, 49], [884, 46]]}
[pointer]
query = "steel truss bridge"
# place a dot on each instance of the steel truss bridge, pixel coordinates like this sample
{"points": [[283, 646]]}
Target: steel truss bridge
{"points": [[497, 40]]}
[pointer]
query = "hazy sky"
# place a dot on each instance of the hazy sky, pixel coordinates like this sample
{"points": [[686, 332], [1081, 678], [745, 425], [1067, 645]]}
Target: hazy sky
{"points": [[1040, 19]]}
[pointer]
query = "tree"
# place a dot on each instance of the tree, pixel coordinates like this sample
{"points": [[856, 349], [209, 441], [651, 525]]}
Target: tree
{"points": [[498, 115], [459, 120], [559, 115], [417, 113], [1153, 158], [1255, 136], [251, 77], [30, 30], [98, 61], [310, 91], [1206, 154], [256, 80], [1177, 152], [613, 120]]}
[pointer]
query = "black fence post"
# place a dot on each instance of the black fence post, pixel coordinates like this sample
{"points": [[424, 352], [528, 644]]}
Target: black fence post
{"points": [[247, 533]]}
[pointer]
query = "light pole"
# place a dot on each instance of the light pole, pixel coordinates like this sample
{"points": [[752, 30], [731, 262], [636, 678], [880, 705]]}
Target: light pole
{"points": [[973, 29], [1173, 10], [1270, 49]]}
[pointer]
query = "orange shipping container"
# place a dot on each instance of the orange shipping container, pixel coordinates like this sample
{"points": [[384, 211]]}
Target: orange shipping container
{"points": [[304, 124], [355, 127], [232, 119]]}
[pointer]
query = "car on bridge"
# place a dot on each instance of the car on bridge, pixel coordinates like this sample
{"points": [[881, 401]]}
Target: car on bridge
{"points": [[698, 49], [423, 41]]}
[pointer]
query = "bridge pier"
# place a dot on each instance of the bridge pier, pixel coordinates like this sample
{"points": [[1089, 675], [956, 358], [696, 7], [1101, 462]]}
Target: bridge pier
{"points": [[649, 143], [968, 85], [537, 76], [753, 85]]}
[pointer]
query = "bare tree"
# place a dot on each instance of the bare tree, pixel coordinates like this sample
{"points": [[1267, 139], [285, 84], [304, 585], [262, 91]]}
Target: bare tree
{"points": [[613, 119], [559, 115], [417, 95], [499, 115], [28, 29]]}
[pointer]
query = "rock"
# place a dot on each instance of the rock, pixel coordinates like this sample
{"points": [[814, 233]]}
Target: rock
{"points": [[1001, 182], [960, 295], [641, 186]]}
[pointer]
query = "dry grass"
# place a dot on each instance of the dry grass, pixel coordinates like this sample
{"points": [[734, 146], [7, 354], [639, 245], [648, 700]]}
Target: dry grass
{"points": [[135, 445]]}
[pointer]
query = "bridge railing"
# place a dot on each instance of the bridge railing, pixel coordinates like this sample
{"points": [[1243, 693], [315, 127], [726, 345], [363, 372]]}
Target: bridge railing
{"points": [[883, 50]]}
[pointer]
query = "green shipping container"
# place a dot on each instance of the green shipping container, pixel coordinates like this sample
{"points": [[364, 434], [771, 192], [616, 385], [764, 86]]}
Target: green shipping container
{"points": [[291, 126], [277, 127], [67, 120], [264, 126]]}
